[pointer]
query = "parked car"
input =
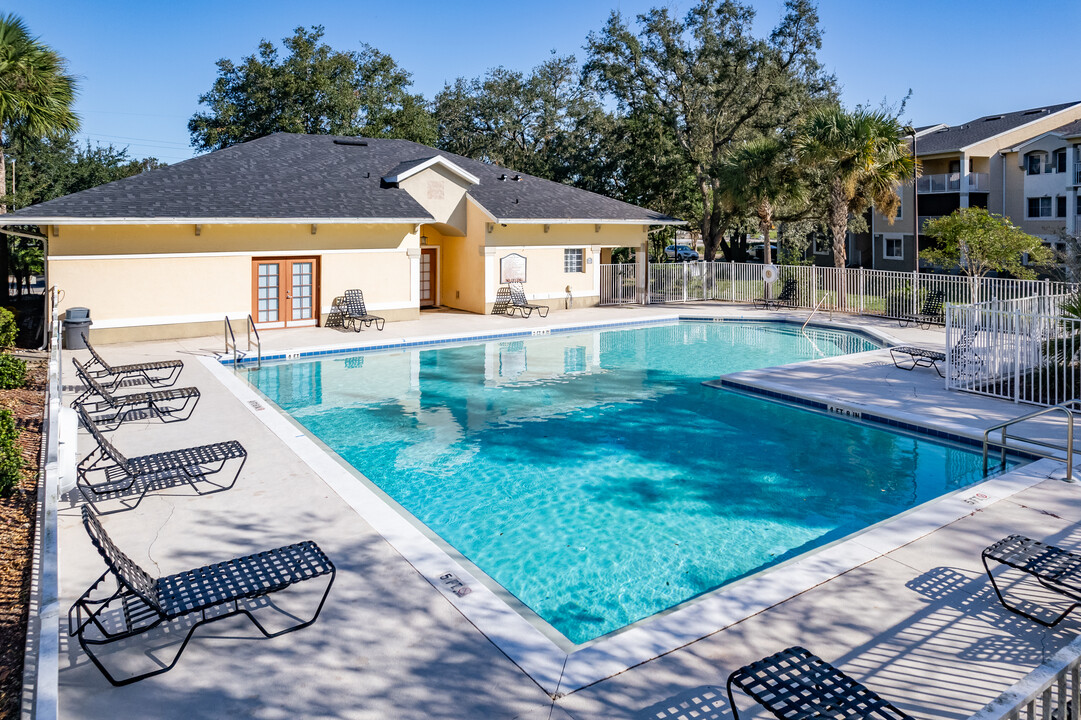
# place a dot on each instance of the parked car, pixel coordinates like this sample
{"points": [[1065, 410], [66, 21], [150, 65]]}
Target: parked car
{"points": [[680, 253]]}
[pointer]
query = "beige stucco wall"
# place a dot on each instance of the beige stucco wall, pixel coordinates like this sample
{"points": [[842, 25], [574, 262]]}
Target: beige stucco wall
{"points": [[443, 195], [161, 281]]}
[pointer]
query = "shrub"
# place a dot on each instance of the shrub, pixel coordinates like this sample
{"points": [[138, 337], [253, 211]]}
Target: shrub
{"points": [[11, 460], [12, 372], [8, 328]]}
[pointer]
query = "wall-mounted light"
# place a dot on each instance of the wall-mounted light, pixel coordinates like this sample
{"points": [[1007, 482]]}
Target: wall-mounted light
{"points": [[423, 239], [314, 228], [56, 231], [491, 227], [198, 229], [547, 228], [596, 228]]}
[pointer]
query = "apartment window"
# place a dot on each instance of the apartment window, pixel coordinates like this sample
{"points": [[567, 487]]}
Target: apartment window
{"points": [[893, 249], [1060, 160], [573, 260], [1039, 207], [1078, 204], [821, 246], [1033, 161], [1060, 206]]}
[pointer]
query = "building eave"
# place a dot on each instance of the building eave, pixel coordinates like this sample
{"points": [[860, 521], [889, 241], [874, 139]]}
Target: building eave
{"points": [[67, 220]]}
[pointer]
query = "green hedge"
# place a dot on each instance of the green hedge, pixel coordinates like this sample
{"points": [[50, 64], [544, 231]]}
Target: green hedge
{"points": [[11, 460]]}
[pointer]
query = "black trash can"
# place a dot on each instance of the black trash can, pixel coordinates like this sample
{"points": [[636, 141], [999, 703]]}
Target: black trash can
{"points": [[76, 322]]}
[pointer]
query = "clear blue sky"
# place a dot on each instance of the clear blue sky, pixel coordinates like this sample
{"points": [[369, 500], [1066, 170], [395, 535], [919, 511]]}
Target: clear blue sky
{"points": [[143, 64]]}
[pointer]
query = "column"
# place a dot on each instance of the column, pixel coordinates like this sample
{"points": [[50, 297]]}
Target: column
{"points": [[964, 180], [641, 260], [414, 275]]}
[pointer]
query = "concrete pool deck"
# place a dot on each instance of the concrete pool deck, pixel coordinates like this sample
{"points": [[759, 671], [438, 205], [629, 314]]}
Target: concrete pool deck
{"points": [[919, 624]]}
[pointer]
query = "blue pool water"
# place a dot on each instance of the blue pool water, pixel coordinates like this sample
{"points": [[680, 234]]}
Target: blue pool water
{"points": [[595, 478]]}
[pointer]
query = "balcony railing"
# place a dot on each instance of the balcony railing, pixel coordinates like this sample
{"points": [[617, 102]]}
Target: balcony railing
{"points": [[951, 182], [1077, 176]]}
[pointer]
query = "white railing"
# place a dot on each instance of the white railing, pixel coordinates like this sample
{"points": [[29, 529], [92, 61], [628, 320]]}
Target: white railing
{"points": [[951, 182], [1050, 691], [868, 292], [1023, 350]]}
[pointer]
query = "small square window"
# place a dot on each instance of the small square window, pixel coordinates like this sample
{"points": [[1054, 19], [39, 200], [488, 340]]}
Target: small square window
{"points": [[573, 260], [893, 249]]}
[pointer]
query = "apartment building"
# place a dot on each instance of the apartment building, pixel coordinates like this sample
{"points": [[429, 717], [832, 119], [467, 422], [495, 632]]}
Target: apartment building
{"points": [[1024, 164]]}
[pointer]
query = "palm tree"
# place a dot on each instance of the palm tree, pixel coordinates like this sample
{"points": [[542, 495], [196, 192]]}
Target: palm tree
{"points": [[36, 96], [863, 158], [757, 177]]}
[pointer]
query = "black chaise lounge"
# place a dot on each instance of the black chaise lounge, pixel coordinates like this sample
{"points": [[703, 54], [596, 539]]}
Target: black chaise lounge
{"points": [[354, 314], [518, 301], [963, 356], [171, 405], [795, 684], [118, 474], [140, 603], [788, 297], [162, 373], [930, 314], [1054, 568]]}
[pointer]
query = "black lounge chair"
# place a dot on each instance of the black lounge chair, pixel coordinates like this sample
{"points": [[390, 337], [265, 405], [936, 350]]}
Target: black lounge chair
{"points": [[930, 314], [1056, 569], [963, 357], [120, 473], [140, 603], [159, 374], [502, 304], [350, 307], [519, 302], [795, 684], [111, 410], [788, 297]]}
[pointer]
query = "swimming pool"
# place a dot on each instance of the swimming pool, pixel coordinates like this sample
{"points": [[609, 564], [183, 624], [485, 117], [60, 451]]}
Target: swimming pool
{"points": [[592, 475]]}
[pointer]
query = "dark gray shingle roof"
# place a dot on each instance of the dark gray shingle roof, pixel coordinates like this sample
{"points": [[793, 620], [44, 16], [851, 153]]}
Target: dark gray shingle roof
{"points": [[1070, 129], [982, 128], [312, 177]]}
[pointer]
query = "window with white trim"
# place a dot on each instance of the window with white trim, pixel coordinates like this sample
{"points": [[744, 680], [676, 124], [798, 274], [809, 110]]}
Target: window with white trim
{"points": [[574, 260], [1059, 161], [821, 245], [893, 248], [1039, 207]]}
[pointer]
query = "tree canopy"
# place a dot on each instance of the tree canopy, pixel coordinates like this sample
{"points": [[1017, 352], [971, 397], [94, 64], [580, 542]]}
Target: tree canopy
{"points": [[861, 158], [712, 83], [979, 242], [313, 89]]}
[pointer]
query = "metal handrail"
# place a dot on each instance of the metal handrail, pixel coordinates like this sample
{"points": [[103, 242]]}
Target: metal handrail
{"points": [[1066, 407], [258, 342], [230, 336], [819, 305]]}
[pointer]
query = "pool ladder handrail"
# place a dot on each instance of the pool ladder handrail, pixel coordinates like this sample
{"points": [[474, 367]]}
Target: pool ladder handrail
{"points": [[817, 307], [1067, 407], [230, 342]]}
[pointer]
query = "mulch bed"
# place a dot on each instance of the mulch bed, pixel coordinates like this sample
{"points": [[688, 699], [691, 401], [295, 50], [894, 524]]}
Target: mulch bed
{"points": [[18, 512]]}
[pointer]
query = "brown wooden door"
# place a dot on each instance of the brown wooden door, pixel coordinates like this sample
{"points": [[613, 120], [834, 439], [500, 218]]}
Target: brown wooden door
{"points": [[428, 277], [285, 292]]}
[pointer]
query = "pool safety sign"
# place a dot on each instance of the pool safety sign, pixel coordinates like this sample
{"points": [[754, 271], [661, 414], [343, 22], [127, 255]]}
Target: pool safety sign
{"points": [[456, 586]]}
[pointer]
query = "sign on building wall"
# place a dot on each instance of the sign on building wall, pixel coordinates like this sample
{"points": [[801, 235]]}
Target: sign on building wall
{"points": [[512, 269]]}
